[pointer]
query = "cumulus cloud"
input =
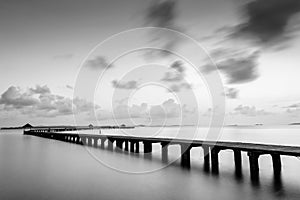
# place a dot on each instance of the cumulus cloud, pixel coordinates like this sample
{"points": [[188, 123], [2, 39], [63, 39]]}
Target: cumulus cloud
{"points": [[40, 89], [238, 69], [14, 98], [99, 62], [268, 21], [168, 109], [124, 85], [40, 102], [250, 111]]}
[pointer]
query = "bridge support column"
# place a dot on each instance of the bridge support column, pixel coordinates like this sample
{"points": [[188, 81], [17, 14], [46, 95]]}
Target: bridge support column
{"points": [[164, 151], [102, 143], [238, 162], [132, 146], [89, 141], [126, 145], [147, 147], [215, 160], [95, 142], [119, 145], [83, 140], [276, 164], [185, 156], [79, 140], [206, 155], [254, 166], [137, 147], [110, 145]]}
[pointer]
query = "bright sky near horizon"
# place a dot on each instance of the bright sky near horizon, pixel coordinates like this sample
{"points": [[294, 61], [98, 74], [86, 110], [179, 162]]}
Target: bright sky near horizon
{"points": [[49, 72]]}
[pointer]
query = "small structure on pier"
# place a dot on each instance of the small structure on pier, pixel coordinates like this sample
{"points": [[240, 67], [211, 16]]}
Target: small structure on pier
{"points": [[27, 126], [91, 126]]}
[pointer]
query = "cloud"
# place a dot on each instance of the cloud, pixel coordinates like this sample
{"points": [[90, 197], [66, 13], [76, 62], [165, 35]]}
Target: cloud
{"points": [[124, 85], [268, 21], [238, 69], [40, 102], [163, 14], [40, 89], [99, 62], [248, 111], [296, 105], [177, 73], [168, 109], [14, 98], [231, 93], [293, 109], [69, 87], [179, 87]]}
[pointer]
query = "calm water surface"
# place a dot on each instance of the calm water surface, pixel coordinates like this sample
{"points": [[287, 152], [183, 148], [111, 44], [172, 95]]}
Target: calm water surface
{"points": [[38, 168]]}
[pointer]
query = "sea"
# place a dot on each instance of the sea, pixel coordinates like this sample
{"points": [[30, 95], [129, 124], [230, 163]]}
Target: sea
{"points": [[39, 168]]}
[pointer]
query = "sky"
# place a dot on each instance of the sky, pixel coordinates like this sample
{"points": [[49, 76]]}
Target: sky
{"points": [[152, 62]]}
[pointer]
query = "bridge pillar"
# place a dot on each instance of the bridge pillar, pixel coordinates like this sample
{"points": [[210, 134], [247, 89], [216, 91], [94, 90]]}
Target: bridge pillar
{"points": [[132, 146], [119, 145], [276, 164], [185, 156], [147, 147], [102, 143], [89, 141], [79, 140], [126, 145], [215, 160], [164, 151], [137, 147], [83, 140], [95, 142], [206, 155], [110, 145], [254, 165], [238, 162]]}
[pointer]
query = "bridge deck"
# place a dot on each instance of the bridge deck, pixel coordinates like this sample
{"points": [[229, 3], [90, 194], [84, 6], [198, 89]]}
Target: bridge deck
{"points": [[260, 148]]}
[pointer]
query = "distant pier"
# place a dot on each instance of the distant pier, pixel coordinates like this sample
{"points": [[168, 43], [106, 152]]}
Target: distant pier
{"points": [[211, 149]]}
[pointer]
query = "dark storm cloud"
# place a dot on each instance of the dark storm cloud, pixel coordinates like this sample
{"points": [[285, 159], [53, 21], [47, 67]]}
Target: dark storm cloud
{"points": [[231, 93], [267, 21], [98, 62], [163, 14], [238, 69], [40, 102], [124, 85]]}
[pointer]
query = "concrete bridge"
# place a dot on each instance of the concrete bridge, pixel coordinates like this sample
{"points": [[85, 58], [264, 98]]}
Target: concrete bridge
{"points": [[211, 149]]}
